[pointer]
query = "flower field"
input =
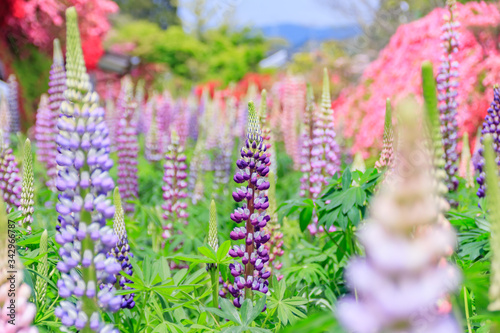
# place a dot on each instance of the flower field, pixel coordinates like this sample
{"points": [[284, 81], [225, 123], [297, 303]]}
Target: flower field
{"points": [[270, 204]]}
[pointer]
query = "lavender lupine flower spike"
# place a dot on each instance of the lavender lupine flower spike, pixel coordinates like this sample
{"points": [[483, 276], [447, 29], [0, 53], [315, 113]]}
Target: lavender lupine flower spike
{"points": [[4, 118], [386, 160], [127, 147], [83, 207], [13, 98], [252, 171], [28, 187], [306, 183], [325, 160], [447, 87], [174, 190], [10, 186], [491, 125], [153, 149], [403, 276], [24, 312], [122, 252]]}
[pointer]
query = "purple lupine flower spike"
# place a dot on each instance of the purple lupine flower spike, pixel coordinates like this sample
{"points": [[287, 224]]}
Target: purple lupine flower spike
{"points": [[251, 217], [84, 206], [306, 185], [174, 190], [4, 118], [447, 83], [127, 147], [491, 125], [10, 179], [13, 98], [153, 146], [398, 285], [45, 135]]}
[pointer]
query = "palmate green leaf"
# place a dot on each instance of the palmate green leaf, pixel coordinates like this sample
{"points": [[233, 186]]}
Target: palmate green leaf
{"points": [[208, 252], [287, 308], [317, 323], [223, 250], [349, 200], [305, 218]]}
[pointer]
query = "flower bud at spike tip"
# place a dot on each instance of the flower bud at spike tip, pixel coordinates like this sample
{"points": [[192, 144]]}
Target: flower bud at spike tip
{"points": [[42, 269], [212, 230], [386, 160]]}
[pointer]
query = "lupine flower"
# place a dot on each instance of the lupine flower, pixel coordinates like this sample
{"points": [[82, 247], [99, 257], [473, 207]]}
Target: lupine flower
{"points": [[84, 183], [127, 147], [294, 102], [275, 244], [45, 130], [139, 100], [10, 181], [252, 172], [153, 146], [447, 87], [404, 274], [491, 125], [57, 86], [491, 170], [466, 169], [42, 269], [24, 311], [4, 119], [307, 145], [174, 190], [28, 187], [181, 122], [121, 252], [222, 164], [13, 99], [195, 182], [325, 160], [213, 242], [386, 160]]}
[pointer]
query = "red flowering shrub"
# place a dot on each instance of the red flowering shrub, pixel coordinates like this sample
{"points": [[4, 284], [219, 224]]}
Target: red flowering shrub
{"points": [[396, 73], [38, 22]]}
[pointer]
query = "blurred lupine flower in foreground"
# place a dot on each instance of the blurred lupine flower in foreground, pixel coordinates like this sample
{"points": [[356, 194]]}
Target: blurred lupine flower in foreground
{"points": [[252, 171], [307, 145], [121, 252], [14, 124], [43, 270], [404, 275], [127, 147], [466, 169], [447, 84], [28, 188], [493, 197], [293, 102], [24, 312], [153, 148], [174, 190], [386, 160], [491, 125], [139, 100], [10, 186], [275, 244], [83, 207]]}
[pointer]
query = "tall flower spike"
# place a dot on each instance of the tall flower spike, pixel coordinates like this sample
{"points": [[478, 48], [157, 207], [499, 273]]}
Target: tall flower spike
{"points": [[18, 319], [325, 160], [493, 197], [42, 270], [45, 130], [83, 207], [13, 98], [307, 179], [466, 169], [28, 187], [122, 253], [174, 188], [275, 244], [127, 147], [213, 240], [386, 160], [153, 149], [57, 86], [447, 83], [404, 244], [10, 186], [434, 142], [4, 118], [252, 172], [491, 125]]}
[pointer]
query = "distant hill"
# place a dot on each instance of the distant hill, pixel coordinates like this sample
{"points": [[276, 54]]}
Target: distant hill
{"points": [[298, 35]]}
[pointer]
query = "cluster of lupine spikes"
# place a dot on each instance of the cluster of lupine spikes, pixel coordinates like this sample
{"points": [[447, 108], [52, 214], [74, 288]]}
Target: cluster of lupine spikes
{"points": [[127, 146], [174, 190], [447, 88], [84, 206], [253, 167], [397, 303], [24, 312]]}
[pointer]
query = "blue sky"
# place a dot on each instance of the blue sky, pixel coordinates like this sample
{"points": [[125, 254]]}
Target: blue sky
{"points": [[315, 13]]}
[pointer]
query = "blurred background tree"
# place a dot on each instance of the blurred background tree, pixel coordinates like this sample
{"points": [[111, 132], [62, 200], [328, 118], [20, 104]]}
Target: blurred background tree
{"points": [[161, 12]]}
